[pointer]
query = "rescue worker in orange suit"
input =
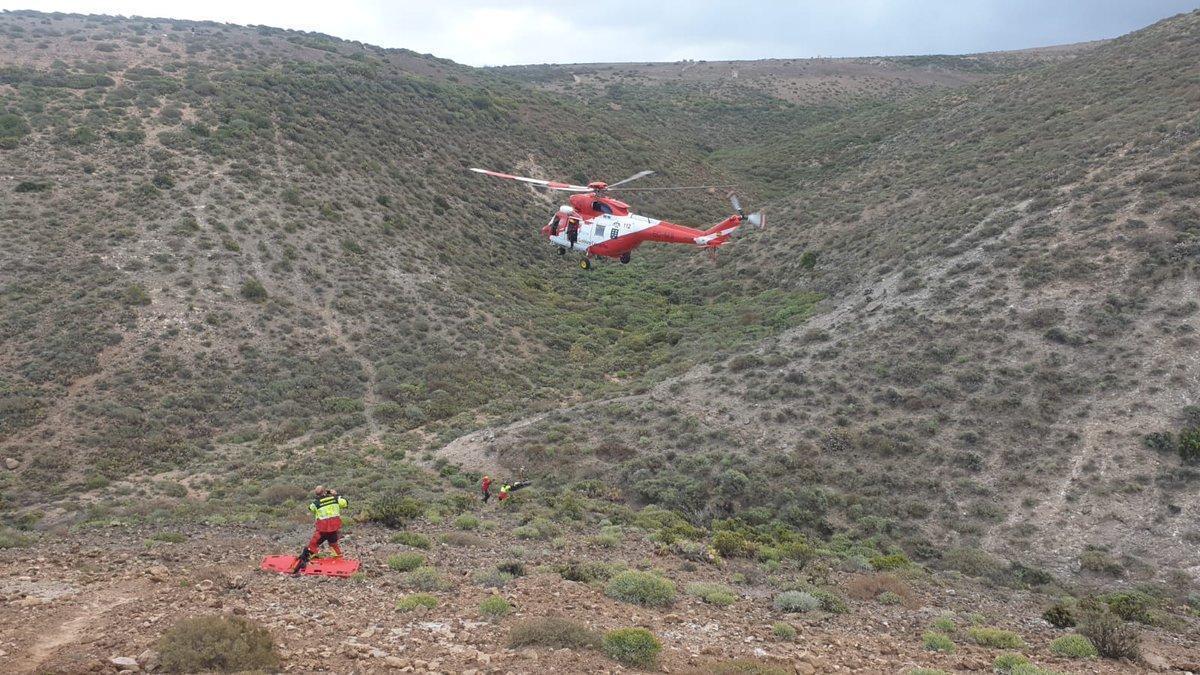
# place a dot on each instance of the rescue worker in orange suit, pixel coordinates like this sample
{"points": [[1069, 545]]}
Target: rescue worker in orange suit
{"points": [[486, 484], [327, 507], [508, 488]]}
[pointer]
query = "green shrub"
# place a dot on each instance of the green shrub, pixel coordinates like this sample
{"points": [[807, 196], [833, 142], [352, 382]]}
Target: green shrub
{"points": [[413, 539], [463, 539], [225, 643], [253, 290], [713, 594], [586, 572], [555, 632], [888, 598], [641, 588], [1094, 560], [745, 667], [135, 295], [995, 637], [32, 186], [513, 568], [937, 642], [405, 562], [1189, 445], [466, 522], [783, 631], [393, 510], [796, 602], [169, 537], [1110, 635], [410, 602], [1073, 646], [1130, 605], [885, 563], [733, 545], [945, 623], [831, 602], [1005, 663], [10, 538], [426, 579], [491, 578], [634, 647], [494, 607], [1060, 615]]}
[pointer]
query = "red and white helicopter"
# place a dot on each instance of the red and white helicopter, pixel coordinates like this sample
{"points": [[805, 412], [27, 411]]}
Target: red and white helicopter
{"points": [[595, 224]]}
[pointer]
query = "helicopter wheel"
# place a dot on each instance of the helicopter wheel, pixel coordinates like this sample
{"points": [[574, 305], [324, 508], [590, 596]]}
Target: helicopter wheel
{"points": [[562, 251], [625, 258], [585, 264]]}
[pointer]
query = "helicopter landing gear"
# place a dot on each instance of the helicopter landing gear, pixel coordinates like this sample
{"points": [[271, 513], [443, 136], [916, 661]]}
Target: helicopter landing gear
{"points": [[562, 251], [585, 264], [625, 258]]}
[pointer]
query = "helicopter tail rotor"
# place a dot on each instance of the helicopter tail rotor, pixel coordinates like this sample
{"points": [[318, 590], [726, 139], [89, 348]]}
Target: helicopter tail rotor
{"points": [[758, 219]]}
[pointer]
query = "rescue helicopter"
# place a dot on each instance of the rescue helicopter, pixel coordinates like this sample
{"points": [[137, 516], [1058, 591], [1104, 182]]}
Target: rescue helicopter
{"points": [[598, 225]]}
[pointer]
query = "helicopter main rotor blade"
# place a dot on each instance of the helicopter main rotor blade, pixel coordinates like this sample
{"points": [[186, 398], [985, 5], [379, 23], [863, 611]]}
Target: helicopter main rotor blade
{"points": [[640, 174], [548, 184], [686, 187]]}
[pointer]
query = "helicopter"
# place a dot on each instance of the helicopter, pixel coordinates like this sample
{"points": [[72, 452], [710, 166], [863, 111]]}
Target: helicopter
{"points": [[598, 225]]}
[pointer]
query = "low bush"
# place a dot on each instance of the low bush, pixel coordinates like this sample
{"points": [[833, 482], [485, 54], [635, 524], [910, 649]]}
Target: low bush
{"points": [[169, 537], [870, 586], [945, 623], [1073, 646], [733, 545], [634, 647], [405, 562], [745, 667], [554, 632], [426, 579], [896, 561], [10, 538], [783, 631], [995, 637], [831, 602], [393, 510], [410, 602], [794, 602], [491, 578], [1005, 663], [713, 594], [466, 522], [938, 642], [463, 539], [494, 607], [641, 588], [514, 568], [1110, 635], [1060, 615], [1130, 605], [889, 598], [1100, 562], [413, 539], [223, 643], [253, 290], [586, 572]]}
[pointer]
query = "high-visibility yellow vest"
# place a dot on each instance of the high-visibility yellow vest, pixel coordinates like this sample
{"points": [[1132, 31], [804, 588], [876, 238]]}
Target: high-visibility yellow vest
{"points": [[328, 507]]}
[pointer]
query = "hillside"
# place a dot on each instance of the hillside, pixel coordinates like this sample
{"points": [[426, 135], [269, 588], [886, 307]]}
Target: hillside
{"points": [[960, 366]]}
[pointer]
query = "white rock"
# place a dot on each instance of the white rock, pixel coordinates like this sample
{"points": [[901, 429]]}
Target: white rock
{"points": [[11, 463]]}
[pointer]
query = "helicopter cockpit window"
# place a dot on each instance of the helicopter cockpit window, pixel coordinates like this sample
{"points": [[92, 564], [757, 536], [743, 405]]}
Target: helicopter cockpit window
{"points": [[600, 230], [601, 207]]}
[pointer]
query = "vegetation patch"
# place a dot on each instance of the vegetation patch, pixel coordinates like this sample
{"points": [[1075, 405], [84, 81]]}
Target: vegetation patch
{"points": [[641, 588], [553, 632], [1073, 646], [634, 647], [223, 643], [410, 602]]}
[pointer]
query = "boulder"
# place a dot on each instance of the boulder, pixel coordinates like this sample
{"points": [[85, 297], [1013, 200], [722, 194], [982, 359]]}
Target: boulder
{"points": [[125, 663], [11, 463]]}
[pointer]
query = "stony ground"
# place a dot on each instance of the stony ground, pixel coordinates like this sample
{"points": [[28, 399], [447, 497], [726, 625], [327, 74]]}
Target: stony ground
{"points": [[97, 599]]}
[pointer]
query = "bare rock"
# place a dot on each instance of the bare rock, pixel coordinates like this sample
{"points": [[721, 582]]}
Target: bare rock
{"points": [[125, 663], [149, 660], [11, 463]]}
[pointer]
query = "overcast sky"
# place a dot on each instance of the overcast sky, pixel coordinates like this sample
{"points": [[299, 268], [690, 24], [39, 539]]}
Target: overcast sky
{"points": [[500, 32]]}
